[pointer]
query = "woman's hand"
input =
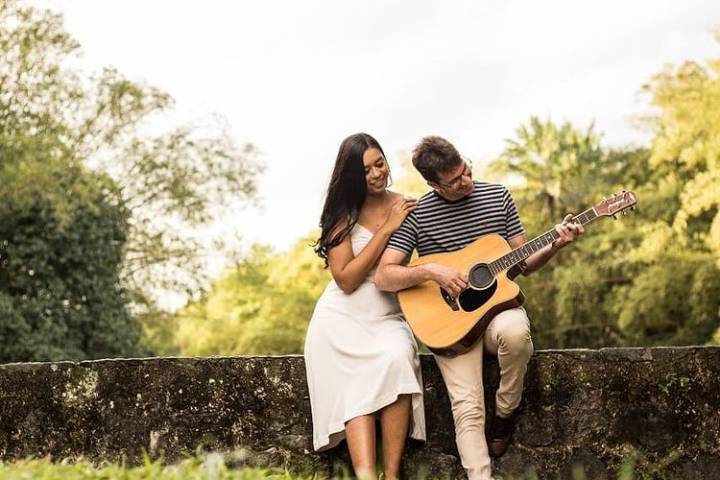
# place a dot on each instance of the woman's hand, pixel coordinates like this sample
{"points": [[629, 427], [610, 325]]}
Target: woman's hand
{"points": [[398, 213]]}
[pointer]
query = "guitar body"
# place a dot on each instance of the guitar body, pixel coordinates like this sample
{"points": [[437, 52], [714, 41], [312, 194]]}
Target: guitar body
{"points": [[449, 327]]}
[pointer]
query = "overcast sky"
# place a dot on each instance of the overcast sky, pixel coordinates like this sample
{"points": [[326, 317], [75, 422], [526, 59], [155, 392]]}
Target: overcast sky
{"points": [[294, 78]]}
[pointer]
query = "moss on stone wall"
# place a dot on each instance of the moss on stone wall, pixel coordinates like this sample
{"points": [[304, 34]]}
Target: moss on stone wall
{"points": [[588, 410]]}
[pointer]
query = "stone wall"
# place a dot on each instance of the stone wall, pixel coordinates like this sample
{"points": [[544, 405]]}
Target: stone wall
{"points": [[592, 409]]}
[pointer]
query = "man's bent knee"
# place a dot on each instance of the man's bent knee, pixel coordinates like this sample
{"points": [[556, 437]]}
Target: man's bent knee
{"points": [[517, 342]]}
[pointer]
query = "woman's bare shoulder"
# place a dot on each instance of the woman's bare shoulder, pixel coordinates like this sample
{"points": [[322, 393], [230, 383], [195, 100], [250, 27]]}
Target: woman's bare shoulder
{"points": [[394, 196]]}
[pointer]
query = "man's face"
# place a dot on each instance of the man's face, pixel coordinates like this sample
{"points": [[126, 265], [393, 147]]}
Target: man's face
{"points": [[455, 184]]}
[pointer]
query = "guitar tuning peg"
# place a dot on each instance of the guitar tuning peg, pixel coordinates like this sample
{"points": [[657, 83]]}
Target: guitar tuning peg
{"points": [[614, 217], [632, 208]]}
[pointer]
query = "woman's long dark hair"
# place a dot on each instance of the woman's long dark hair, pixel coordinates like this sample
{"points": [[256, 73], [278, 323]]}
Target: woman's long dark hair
{"points": [[346, 193]]}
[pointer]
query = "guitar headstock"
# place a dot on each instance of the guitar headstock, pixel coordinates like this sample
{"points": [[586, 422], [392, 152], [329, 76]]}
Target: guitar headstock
{"points": [[618, 202]]}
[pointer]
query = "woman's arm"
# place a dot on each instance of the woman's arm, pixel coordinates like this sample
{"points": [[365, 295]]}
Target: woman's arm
{"points": [[350, 271]]}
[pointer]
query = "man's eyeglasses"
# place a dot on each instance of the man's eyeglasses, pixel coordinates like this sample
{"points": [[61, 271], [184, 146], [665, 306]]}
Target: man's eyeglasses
{"points": [[455, 182]]}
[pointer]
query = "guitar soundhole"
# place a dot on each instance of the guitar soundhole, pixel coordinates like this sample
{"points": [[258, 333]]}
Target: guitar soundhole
{"points": [[480, 276], [472, 299]]}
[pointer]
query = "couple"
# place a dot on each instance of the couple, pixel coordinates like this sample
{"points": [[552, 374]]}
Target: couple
{"points": [[360, 354]]}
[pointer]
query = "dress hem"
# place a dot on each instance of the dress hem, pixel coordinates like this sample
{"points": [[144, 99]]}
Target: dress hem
{"points": [[339, 428]]}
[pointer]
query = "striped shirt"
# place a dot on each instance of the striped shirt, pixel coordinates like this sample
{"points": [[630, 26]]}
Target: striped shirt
{"points": [[438, 225]]}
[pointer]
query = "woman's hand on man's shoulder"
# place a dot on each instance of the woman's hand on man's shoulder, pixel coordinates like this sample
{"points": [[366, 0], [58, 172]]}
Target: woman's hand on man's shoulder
{"points": [[400, 209]]}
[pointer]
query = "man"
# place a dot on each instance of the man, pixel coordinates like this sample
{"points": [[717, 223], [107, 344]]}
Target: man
{"points": [[452, 215]]}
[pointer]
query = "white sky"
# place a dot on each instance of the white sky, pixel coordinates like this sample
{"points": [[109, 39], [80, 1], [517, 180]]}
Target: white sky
{"points": [[295, 77]]}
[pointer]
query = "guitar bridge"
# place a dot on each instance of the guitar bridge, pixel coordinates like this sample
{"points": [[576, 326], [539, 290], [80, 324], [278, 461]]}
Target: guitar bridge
{"points": [[449, 300]]}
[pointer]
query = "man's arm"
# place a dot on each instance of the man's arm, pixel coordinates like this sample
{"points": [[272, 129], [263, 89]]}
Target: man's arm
{"points": [[568, 231], [392, 275]]}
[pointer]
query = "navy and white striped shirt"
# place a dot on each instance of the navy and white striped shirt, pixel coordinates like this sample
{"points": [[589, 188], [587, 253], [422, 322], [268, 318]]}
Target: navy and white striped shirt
{"points": [[438, 225]]}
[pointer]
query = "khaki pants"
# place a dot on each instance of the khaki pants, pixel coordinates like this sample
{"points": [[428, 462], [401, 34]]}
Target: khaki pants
{"points": [[508, 337]]}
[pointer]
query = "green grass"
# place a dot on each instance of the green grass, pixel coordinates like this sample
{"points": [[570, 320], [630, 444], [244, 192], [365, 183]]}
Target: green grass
{"points": [[209, 468]]}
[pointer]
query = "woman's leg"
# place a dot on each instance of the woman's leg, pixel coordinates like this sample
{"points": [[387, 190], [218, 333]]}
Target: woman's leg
{"points": [[360, 435], [394, 424]]}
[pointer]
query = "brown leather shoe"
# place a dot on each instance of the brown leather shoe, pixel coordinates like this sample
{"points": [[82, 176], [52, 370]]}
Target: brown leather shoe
{"points": [[499, 436]]}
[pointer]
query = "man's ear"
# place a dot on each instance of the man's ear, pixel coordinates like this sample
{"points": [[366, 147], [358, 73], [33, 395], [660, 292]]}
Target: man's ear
{"points": [[433, 185]]}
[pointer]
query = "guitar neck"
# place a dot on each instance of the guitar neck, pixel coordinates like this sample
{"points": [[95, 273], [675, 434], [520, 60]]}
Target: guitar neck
{"points": [[527, 249]]}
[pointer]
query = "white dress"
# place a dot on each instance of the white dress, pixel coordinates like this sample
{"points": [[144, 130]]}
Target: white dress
{"points": [[360, 354]]}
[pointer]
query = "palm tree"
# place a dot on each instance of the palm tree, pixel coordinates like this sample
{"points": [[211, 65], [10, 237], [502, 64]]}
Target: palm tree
{"points": [[557, 168]]}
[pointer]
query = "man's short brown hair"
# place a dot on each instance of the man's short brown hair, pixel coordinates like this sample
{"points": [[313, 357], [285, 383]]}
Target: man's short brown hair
{"points": [[435, 155]]}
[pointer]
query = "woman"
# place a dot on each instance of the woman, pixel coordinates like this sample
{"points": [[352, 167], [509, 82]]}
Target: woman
{"points": [[360, 355]]}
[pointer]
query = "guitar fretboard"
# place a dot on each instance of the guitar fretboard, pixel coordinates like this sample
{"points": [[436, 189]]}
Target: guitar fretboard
{"points": [[526, 250]]}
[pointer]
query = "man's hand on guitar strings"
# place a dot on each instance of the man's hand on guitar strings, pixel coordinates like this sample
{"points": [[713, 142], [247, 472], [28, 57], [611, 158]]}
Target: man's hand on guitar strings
{"points": [[448, 278], [569, 231]]}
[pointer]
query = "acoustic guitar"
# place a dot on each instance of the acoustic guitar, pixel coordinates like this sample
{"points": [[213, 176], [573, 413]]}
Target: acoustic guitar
{"points": [[450, 326]]}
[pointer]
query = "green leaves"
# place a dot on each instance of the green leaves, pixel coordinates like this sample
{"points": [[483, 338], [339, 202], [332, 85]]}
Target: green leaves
{"points": [[648, 279], [558, 168], [95, 210], [172, 179], [687, 146], [60, 292], [262, 306]]}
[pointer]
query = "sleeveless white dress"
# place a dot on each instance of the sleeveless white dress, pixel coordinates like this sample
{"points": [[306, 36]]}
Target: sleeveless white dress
{"points": [[360, 354]]}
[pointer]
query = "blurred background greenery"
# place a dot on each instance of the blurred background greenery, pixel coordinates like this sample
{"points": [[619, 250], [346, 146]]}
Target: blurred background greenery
{"points": [[96, 213]]}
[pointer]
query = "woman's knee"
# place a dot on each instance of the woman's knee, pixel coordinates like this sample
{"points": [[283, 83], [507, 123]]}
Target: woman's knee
{"points": [[402, 353]]}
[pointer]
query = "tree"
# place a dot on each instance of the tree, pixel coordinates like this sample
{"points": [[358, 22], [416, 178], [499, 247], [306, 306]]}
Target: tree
{"points": [[262, 306], [560, 168], [686, 148], [634, 282], [86, 186], [172, 183], [60, 291], [685, 232], [554, 170]]}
